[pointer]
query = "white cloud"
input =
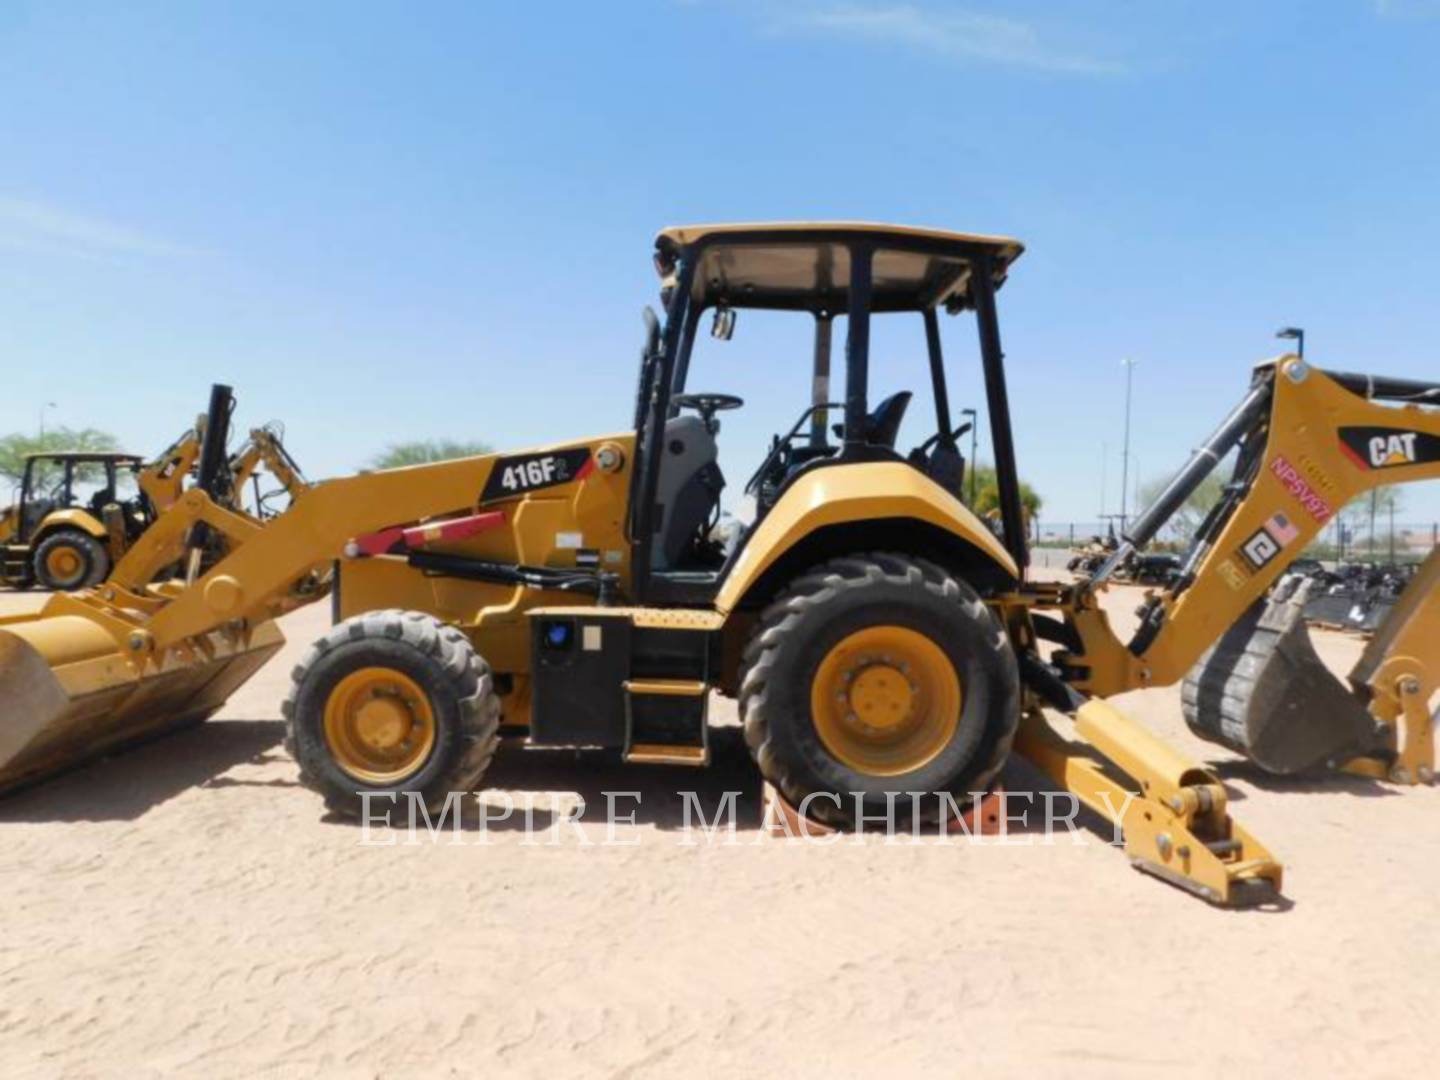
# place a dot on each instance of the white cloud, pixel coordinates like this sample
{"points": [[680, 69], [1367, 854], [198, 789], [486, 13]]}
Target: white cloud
{"points": [[953, 34], [41, 227]]}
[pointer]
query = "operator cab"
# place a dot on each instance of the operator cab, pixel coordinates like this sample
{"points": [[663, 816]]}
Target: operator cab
{"points": [[817, 271], [81, 480]]}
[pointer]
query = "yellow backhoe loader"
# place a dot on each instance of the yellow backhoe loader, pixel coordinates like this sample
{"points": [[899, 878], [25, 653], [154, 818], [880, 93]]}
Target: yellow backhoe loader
{"points": [[878, 636], [77, 513], [165, 479], [74, 514]]}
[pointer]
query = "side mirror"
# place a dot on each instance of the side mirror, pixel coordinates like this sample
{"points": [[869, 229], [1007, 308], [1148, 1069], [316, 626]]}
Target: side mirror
{"points": [[723, 328]]}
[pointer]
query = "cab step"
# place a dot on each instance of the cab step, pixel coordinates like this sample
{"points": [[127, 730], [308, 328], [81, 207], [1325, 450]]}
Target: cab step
{"points": [[656, 754], [665, 722]]}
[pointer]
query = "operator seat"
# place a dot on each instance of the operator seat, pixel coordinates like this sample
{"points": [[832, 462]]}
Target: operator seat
{"points": [[946, 466], [688, 491], [882, 427], [100, 500]]}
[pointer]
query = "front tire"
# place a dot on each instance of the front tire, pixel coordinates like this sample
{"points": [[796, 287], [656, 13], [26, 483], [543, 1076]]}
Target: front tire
{"points": [[879, 675], [387, 703], [69, 560]]}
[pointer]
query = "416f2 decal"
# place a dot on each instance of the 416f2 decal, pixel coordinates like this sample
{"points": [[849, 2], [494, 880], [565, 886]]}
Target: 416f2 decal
{"points": [[521, 474]]}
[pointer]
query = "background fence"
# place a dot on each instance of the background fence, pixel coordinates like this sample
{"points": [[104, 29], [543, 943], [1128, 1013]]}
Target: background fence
{"points": [[1348, 536]]}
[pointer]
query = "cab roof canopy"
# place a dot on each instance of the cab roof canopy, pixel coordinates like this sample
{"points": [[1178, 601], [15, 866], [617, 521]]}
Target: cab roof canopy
{"points": [[805, 266], [85, 455]]}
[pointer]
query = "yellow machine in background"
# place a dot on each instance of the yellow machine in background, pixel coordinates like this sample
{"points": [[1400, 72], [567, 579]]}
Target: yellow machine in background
{"points": [[77, 513], [879, 638]]}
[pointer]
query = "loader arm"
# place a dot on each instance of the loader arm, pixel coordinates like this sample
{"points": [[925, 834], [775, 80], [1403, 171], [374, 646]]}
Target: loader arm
{"points": [[268, 560], [128, 659]]}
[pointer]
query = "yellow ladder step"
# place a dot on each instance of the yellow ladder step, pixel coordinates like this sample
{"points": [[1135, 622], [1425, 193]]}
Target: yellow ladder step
{"points": [[667, 687], [661, 754]]}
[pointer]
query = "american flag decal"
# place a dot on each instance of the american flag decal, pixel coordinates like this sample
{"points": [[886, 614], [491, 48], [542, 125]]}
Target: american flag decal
{"points": [[1282, 529]]}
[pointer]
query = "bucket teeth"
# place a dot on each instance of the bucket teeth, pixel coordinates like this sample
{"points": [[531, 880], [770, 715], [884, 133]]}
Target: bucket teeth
{"points": [[1263, 692]]}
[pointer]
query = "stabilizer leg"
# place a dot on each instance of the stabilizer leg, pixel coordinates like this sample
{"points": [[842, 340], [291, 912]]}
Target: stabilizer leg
{"points": [[1400, 672], [1171, 811]]}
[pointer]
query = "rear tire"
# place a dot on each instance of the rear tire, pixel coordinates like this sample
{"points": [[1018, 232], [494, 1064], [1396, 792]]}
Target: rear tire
{"points": [[387, 703], [899, 633], [69, 560]]}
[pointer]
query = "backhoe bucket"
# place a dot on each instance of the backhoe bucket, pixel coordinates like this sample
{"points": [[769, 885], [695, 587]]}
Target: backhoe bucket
{"points": [[69, 692], [1263, 692]]}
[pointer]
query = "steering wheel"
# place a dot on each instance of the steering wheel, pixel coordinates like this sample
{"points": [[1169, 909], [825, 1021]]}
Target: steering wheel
{"points": [[707, 405]]}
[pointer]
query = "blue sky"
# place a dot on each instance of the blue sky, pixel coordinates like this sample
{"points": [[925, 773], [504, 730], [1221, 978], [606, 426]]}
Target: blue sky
{"points": [[387, 221]]}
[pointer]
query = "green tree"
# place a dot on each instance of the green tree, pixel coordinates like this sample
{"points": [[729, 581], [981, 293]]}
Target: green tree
{"points": [[987, 493], [1187, 519], [15, 448], [424, 451]]}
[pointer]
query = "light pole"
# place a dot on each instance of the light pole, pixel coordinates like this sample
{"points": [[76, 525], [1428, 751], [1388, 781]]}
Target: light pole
{"points": [[1295, 334], [1374, 505], [47, 405], [1139, 472], [974, 446], [1125, 459], [1104, 469], [1392, 532]]}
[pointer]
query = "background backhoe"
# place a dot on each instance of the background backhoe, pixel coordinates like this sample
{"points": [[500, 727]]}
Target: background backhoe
{"points": [[878, 637], [73, 515], [77, 513]]}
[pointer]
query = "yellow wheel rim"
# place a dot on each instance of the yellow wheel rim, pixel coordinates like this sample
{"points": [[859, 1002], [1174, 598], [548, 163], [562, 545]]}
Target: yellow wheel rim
{"points": [[63, 564], [885, 701], [380, 725]]}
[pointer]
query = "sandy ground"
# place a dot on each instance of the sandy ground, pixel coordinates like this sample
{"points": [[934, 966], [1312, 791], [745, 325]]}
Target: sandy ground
{"points": [[186, 908]]}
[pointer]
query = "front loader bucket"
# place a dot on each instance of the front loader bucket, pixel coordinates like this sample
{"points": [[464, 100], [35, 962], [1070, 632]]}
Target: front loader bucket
{"points": [[69, 693], [1263, 692]]}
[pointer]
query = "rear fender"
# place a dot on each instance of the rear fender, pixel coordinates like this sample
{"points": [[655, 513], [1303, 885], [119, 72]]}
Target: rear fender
{"points": [[844, 496], [79, 520]]}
